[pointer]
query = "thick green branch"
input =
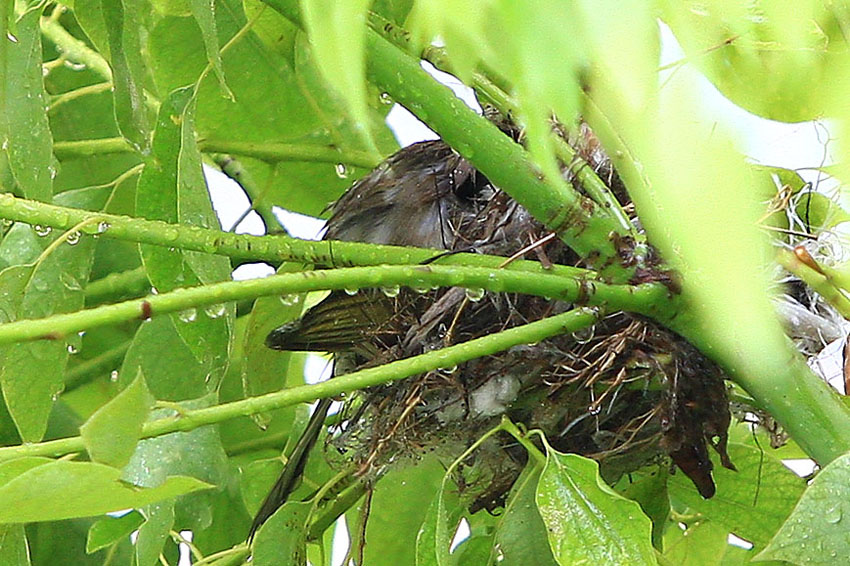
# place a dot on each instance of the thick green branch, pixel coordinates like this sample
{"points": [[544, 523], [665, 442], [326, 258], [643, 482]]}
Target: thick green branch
{"points": [[444, 358], [246, 247], [578, 221], [643, 298]]}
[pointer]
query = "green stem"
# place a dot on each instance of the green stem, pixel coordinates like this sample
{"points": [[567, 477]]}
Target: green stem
{"points": [[234, 169], [83, 371], [75, 49], [583, 225], [117, 286], [71, 95], [65, 150], [274, 152], [821, 282], [643, 298], [447, 357], [253, 248], [270, 152]]}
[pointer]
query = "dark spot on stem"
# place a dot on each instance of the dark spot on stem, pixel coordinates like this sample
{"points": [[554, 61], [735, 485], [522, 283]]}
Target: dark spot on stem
{"points": [[147, 310], [53, 335]]}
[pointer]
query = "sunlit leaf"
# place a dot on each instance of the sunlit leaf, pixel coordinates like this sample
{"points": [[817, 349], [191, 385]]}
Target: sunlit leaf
{"points": [[336, 33], [756, 52], [521, 531], [13, 546], [283, 538], [204, 13], [587, 521], [111, 434], [109, 530], [27, 138], [762, 486], [817, 530], [84, 488]]}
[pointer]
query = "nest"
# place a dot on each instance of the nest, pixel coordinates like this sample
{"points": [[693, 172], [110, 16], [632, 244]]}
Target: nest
{"points": [[625, 392]]}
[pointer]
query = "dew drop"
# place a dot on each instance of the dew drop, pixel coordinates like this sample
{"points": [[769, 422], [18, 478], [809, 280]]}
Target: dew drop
{"points": [[5, 224], [341, 170], [11, 37], [113, 376], [154, 291], [594, 410], [351, 291], [289, 300], [392, 291], [421, 290], [72, 349], [42, 230], [188, 315], [102, 227], [75, 66], [475, 294], [215, 311], [386, 98], [73, 238]]}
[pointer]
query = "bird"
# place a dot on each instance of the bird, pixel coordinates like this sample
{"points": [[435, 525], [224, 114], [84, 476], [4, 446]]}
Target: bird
{"points": [[427, 195]]}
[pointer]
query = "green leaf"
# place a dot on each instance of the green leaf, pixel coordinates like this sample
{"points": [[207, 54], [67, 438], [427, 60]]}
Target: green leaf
{"points": [[336, 32], [650, 492], [27, 139], [111, 434], [816, 531], [196, 453], [63, 543], [435, 535], [204, 13], [153, 535], [31, 374], [752, 502], [13, 546], [755, 53], [109, 530], [277, 97], [521, 531], [588, 522], [172, 188], [57, 490], [702, 544], [265, 370], [122, 19], [283, 538]]}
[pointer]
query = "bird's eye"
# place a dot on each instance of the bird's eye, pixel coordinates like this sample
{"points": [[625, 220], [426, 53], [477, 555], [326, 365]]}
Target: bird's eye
{"points": [[472, 186]]}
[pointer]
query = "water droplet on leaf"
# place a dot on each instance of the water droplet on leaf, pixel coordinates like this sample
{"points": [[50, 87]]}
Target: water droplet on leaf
{"points": [[42, 230], [188, 315], [341, 170], [215, 311]]}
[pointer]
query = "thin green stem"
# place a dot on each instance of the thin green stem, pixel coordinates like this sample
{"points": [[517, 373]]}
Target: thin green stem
{"points": [[117, 286], [71, 95], [821, 280], [273, 249], [84, 148], [451, 356], [75, 49], [87, 369], [270, 152], [233, 168], [274, 152], [642, 298]]}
